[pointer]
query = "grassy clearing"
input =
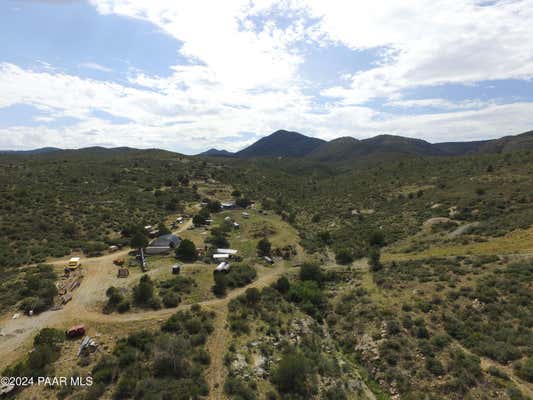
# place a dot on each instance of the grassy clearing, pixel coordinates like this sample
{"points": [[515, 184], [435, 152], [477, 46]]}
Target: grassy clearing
{"points": [[245, 239], [516, 242]]}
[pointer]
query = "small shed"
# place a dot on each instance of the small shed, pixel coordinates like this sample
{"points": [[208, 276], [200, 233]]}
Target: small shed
{"points": [[123, 272], [245, 214], [269, 260], [236, 225], [220, 256], [176, 269], [222, 267]]}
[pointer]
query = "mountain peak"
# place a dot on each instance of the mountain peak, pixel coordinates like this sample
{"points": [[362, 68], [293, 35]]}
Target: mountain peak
{"points": [[212, 152], [281, 143]]}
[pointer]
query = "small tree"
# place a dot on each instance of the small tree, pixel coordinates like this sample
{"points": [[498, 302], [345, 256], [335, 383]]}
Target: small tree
{"points": [[311, 272], [263, 247], [282, 285], [293, 376], [252, 296], [143, 293], [219, 288], [243, 202], [162, 228], [344, 256], [214, 206], [186, 251], [139, 240], [525, 369], [374, 259], [218, 239], [201, 218], [377, 239]]}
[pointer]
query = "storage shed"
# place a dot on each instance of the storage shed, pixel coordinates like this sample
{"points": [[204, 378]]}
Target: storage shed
{"points": [[163, 244], [222, 267]]}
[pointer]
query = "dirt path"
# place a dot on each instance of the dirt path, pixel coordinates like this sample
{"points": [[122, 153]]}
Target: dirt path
{"points": [[218, 341], [216, 347], [99, 275]]}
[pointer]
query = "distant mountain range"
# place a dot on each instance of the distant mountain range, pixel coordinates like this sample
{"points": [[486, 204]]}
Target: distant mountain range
{"points": [[292, 144], [42, 150]]}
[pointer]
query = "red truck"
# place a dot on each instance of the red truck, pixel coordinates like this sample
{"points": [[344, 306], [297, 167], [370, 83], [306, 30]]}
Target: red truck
{"points": [[75, 331]]}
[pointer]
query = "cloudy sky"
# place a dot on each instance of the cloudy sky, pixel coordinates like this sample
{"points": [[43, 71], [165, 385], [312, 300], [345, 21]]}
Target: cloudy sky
{"points": [[190, 75]]}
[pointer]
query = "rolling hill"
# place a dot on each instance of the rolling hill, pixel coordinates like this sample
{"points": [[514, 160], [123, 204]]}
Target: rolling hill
{"points": [[216, 153], [42, 150], [348, 148]]}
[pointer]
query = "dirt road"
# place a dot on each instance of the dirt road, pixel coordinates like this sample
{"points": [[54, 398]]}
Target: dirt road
{"points": [[99, 273]]}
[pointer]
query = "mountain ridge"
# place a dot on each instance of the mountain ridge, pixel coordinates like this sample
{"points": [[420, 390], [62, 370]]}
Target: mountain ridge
{"points": [[284, 143]]}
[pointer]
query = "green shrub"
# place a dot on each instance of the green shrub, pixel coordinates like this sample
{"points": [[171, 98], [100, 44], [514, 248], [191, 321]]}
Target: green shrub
{"points": [[263, 247], [186, 251], [294, 376], [171, 300], [525, 369]]}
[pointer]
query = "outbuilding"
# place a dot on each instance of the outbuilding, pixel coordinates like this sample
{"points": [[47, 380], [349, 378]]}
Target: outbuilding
{"points": [[228, 205], [222, 267], [231, 252], [163, 244], [176, 269]]}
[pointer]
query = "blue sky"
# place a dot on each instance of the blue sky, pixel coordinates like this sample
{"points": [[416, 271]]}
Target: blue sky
{"points": [[190, 75]]}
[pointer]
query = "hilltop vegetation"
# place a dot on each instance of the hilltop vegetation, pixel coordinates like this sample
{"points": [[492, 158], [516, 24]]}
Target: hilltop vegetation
{"points": [[410, 285], [55, 203], [341, 207]]}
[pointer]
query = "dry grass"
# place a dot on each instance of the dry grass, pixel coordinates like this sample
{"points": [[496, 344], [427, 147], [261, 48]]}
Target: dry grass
{"points": [[516, 242]]}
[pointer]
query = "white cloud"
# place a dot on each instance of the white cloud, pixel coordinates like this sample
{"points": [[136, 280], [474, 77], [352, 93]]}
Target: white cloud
{"points": [[95, 66], [214, 34], [243, 75], [428, 42], [442, 104]]}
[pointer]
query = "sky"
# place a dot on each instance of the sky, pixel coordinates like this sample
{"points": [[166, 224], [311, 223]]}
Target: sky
{"points": [[192, 75]]}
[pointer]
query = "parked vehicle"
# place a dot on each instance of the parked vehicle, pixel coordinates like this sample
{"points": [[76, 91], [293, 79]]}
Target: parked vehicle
{"points": [[75, 331]]}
